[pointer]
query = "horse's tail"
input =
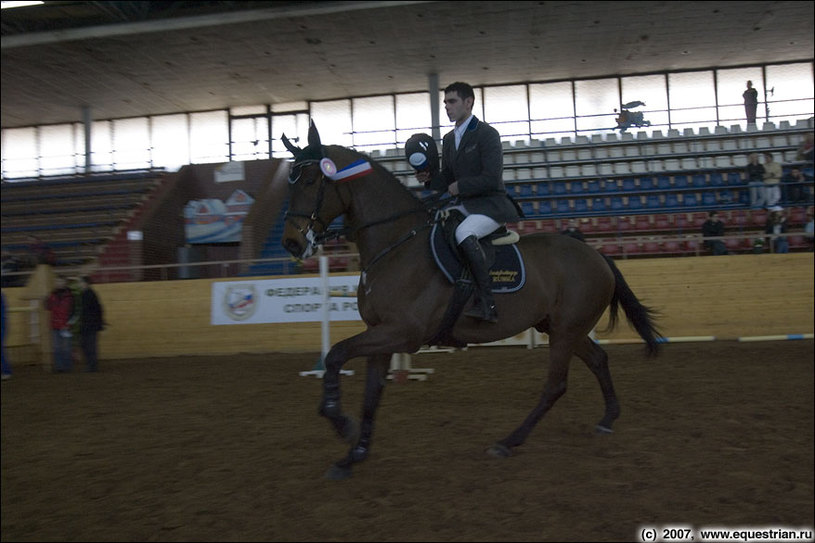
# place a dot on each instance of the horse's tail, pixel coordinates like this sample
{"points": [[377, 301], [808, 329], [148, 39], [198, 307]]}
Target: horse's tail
{"points": [[640, 316]]}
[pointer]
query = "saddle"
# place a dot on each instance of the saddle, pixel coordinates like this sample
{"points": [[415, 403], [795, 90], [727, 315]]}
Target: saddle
{"points": [[506, 269], [506, 263]]}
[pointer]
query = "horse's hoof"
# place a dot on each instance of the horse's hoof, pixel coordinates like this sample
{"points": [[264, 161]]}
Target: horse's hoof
{"points": [[338, 473], [499, 451], [603, 430]]}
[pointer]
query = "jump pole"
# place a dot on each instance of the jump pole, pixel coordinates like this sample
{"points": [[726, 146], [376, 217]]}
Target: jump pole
{"points": [[319, 368]]}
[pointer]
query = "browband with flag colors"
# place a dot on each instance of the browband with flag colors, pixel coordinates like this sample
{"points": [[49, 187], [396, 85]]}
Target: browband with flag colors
{"points": [[352, 171]]}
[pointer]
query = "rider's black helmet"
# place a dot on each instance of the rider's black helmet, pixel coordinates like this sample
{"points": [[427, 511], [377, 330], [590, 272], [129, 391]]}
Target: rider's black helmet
{"points": [[421, 153]]}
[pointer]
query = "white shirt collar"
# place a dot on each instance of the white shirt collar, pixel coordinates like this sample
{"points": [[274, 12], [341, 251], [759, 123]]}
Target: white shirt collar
{"points": [[460, 129]]}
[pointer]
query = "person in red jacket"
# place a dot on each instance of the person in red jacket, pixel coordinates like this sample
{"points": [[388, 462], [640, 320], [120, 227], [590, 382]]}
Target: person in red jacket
{"points": [[61, 305]]}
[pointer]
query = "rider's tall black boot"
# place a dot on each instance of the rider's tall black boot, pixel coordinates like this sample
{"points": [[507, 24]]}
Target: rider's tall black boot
{"points": [[485, 304]]}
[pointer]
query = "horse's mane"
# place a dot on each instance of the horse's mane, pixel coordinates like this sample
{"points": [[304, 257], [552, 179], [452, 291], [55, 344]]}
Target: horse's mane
{"points": [[378, 168]]}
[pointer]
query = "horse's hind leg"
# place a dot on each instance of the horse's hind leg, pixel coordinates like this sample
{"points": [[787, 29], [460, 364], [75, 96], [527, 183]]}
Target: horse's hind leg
{"points": [[597, 361], [560, 353], [376, 373]]}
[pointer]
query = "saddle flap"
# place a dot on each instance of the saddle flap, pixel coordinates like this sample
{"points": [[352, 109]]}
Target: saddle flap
{"points": [[507, 271]]}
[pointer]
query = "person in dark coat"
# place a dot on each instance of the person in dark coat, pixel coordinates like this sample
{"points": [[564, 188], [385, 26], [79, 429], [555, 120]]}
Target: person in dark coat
{"points": [[91, 322], [573, 231], [472, 165], [714, 227]]}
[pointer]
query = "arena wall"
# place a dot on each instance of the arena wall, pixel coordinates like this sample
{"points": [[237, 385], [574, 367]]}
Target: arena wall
{"points": [[725, 296]]}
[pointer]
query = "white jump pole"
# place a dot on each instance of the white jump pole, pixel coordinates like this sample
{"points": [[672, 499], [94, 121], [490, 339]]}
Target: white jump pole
{"points": [[325, 324]]}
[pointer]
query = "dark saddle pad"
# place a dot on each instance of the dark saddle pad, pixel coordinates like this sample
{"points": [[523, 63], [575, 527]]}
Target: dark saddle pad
{"points": [[507, 271]]}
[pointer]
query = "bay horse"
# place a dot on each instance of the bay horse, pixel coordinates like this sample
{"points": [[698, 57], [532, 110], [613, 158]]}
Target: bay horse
{"points": [[403, 295]]}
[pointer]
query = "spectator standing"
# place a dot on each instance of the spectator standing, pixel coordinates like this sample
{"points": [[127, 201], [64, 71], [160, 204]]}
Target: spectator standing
{"points": [[755, 180], [91, 322], [711, 228], [61, 305], [776, 226], [806, 149], [794, 186], [772, 181], [750, 96], [809, 230]]}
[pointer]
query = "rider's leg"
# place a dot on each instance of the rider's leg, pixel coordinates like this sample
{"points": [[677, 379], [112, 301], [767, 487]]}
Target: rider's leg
{"points": [[473, 228]]}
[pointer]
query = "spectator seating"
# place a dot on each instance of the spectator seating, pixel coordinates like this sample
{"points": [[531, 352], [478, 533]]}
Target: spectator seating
{"points": [[75, 216]]}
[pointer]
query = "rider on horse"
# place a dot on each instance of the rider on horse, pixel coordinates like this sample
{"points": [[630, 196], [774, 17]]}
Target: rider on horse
{"points": [[472, 161]]}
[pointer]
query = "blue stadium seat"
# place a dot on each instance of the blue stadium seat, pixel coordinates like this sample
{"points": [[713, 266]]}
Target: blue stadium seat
{"points": [[663, 182], [528, 208], [543, 189], [680, 182], [671, 200], [598, 204], [525, 190], [610, 185], [646, 183], [634, 202], [593, 186], [576, 187], [628, 184], [616, 203], [563, 206], [699, 180], [708, 198], [544, 207], [581, 205], [559, 187], [716, 179], [726, 197], [689, 200], [652, 201], [734, 178]]}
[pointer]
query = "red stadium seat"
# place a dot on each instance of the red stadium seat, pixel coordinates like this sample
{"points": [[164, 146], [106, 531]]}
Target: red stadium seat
{"points": [[624, 224], [698, 219], [651, 248], [758, 217], [610, 249], [672, 247], [797, 241], [605, 224], [738, 218], [662, 222], [642, 223], [631, 248]]}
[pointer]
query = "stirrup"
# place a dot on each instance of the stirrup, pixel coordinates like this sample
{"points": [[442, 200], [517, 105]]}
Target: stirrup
{"points": [[483, 311]]}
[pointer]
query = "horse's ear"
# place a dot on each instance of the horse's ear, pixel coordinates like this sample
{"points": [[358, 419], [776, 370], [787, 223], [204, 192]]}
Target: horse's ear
{"points": [[313, 136], [292, 149]]}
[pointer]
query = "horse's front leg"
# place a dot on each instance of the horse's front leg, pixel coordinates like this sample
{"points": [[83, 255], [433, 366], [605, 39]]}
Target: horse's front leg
{"points": [[330, 406], [376, 373]]}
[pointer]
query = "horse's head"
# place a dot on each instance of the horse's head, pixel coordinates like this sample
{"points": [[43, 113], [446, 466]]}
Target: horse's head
{"points": [[314, 200]]}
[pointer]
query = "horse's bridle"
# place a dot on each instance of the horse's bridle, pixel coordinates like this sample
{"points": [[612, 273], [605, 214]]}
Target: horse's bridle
{"points": [[314, 239]]}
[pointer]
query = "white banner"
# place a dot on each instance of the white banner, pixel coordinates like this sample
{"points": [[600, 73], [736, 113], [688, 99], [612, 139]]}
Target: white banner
{"points": [[283, 300], [230, 171]]}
